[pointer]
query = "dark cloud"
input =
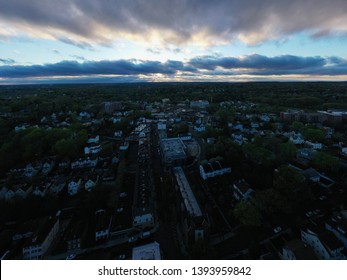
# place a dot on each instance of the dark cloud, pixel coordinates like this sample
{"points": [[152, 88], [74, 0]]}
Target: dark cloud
{"points": [[178, 21], [7, 61], [212, 66], [256, 61], [73, 68]]}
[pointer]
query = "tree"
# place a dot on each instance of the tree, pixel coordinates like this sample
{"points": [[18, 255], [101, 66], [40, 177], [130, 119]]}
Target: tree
{"points": [[325, 162], [287, 151], [314, 134], [247, 214]]}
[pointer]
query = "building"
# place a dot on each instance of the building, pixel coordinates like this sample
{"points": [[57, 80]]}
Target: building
{"points": [[323, 242], [92, 150], [213, 169], [193, 223], [103, 223], [84, 163], [200, 104], [338, 226], [149, 251], [37, 246], [111, 107], [242, 190], [296, 249], [74, 186], [173, 151]]}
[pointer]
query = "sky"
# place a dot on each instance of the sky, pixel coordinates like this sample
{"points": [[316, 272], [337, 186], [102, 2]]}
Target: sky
{"points": [[74, 41]]}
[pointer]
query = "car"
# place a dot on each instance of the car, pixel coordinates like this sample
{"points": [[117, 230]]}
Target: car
{"points": [[277, 229], [322, 197], [123, 194], [71, 257], [120, 210], [132, 239], [121, 257]]}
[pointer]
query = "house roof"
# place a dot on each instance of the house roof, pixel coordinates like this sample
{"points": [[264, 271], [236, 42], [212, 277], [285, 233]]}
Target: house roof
{"points": [[330, 240], [310, 173], [301, 251], [242, 186]]}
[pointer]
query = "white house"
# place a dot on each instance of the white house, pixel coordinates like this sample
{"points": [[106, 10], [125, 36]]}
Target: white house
{"points": [[74, 186], [118, 134], [143, 220], [92, 150], [297, 139], [200, 128], [84, 163], [47, 167], [242, 190], [213, 169], [94, 140], [91, 183], [324, 243], [315, 146], [124, 146], [161, 126]]}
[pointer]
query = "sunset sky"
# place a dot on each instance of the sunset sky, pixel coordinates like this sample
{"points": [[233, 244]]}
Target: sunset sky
{"points": [[172, 40]]}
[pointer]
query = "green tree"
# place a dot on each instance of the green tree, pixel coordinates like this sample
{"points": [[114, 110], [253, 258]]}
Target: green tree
{"points": [[288, 151], [325, 162], [247, 214]]}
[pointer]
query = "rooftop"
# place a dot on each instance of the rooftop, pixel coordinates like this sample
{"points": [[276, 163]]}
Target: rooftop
{"points": [[149, 251], [173, 148], [190, 201]]}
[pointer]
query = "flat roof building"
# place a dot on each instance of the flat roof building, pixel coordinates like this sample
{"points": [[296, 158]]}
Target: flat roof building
{"points": [[173, 151], [149, 251]]}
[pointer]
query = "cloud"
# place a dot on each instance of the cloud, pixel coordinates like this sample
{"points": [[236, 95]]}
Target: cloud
{"points": [[78, 57], [86, 22], [105, 67], [7, 61], [203, 67]]}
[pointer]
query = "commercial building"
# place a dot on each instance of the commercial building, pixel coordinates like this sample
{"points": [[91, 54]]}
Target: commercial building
{"points": [[173, 152]]}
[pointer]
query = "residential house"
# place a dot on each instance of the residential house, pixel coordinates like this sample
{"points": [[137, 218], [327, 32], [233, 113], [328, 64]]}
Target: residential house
{"points": [[22, 190], [338, 226], [93, 140], [313, 145], [64, 164], [57, 186], [324, 243], [37, 246], [92, 150], [84, 163], [297, 139], [74, 186], [40, 191], [242, 190], [47, 167], [200, 128], [32, 169], [118, 134], [311, 174], [91, 183], [296, 249]]}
